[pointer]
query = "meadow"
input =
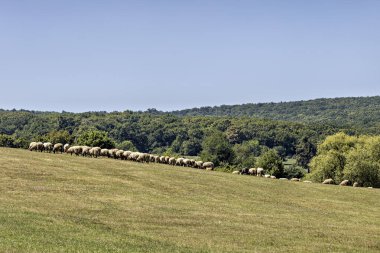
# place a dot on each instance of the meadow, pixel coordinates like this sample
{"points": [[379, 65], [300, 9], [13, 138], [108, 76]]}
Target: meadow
{"points": [[63, 203]]}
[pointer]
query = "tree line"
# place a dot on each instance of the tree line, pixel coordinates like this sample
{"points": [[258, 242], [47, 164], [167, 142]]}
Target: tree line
{"points": [[147, 132], [229, 142], [359, 112]]}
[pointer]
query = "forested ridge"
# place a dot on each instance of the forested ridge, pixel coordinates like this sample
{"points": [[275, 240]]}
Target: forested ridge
{"points": [[354, 111], [228, 136]]}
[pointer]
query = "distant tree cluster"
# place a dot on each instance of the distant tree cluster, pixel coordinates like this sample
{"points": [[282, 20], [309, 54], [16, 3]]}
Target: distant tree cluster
{"points": [[343, 157], [348, 111], [228, 141]]}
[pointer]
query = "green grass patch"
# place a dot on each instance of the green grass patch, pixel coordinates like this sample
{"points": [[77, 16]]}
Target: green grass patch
{"points": [[63, 203]]}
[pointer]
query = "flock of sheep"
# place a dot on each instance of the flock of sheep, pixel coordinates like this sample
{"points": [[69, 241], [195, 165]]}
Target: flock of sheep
{"points": [[261, 172], [146, 158], [118, 154]]}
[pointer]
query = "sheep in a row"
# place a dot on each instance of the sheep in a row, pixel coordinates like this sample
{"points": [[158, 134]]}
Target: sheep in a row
{"points": [[343, 183], [36, 146], [250, 171], [46, 147], [119, 154]]}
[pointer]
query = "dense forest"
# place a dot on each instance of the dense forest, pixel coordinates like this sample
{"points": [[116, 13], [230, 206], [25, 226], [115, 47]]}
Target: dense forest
{"points": [[230, 140], [353, 111]]}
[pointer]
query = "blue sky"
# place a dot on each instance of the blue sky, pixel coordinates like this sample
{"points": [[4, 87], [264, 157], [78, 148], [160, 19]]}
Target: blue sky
{"points": [[118, 55]]}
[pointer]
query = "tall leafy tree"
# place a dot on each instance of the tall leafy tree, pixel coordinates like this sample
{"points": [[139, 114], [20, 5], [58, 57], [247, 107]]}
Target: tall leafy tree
{"points": [[95, 138], [271, 162], [217, 149]]}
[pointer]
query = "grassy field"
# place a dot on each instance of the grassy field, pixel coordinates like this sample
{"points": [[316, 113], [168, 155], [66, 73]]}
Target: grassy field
{"points": [[59, 203]]}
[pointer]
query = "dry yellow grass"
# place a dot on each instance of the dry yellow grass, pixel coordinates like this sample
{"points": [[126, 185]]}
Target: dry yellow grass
{"points": [[63, 203]]}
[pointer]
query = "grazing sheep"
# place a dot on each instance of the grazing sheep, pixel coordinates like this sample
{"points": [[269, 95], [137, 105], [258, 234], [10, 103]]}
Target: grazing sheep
{"points": [[77, 150], [208, 165], [167, 158], [126, 154], [244, 171], [252, 171], [85, 151], [58, 147], [283, 178], [95, 152], [172, 161], [133, 156], [295, 179], [198, 164], [273, 177], [70, 150], [260, 172], [146, 158], [156, 159], [142, 157], [186, 162], [356, 184], [307, 181], [112, 153], [104, 152], [33, 146], [267, 176], [344, 183], [236, 172], [66, 147], [162, 159], [48, 146], [40, 146], [179, 162], [119, 154], [328, 181], [192, 163]]}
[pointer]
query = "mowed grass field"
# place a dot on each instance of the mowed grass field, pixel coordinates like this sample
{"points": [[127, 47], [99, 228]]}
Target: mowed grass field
{"points": [[63, 203]]}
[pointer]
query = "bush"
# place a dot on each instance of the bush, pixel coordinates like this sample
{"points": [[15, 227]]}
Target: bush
{"points": [[294, 171], [58, 137], [191, 147], [343, 157], [95, 138], [217, 149], [6, 141], [363, 164], [328, 165], [126, 145], [271, 162], [246, 153]]}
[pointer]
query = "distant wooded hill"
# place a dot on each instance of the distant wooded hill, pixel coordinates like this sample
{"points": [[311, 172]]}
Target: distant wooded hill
{"points": [[357, 111], [293, 129]]}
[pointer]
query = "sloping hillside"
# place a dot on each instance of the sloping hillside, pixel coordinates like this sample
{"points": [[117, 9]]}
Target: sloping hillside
{"points": [[74, 204], [362, 111]]}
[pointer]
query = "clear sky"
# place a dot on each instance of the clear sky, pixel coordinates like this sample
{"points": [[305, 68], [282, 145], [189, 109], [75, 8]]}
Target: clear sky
{"points": [[92, 55]]}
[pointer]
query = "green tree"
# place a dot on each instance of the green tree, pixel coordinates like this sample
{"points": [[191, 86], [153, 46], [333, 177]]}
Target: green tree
{"points": [[217, 149], [246, 153], [356, 158], [126, 145], [331, 157], [294, 171], [305, 151], [191, 147], [6, 141], [328, 165], [95, 138], [363, 163], [61, 136], [361, 168], [271, 162]]}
